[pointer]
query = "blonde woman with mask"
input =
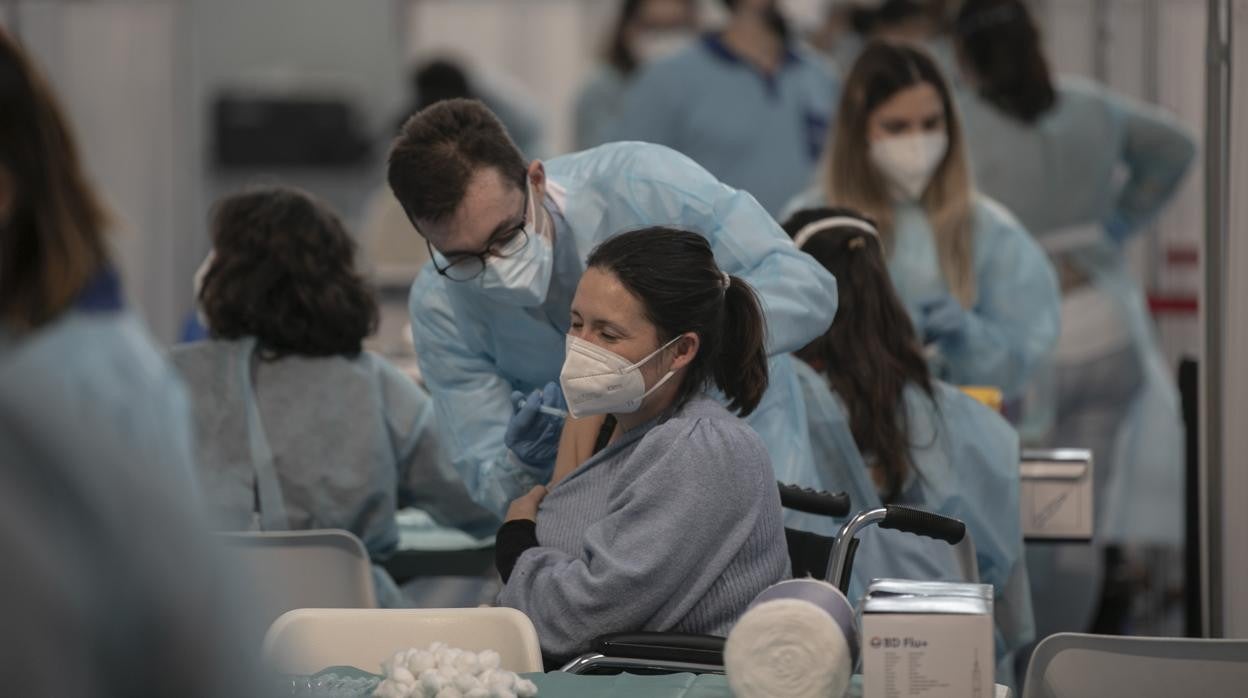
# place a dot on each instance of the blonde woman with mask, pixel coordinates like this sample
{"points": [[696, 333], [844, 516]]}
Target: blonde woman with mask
{"points": [[982, 294]]}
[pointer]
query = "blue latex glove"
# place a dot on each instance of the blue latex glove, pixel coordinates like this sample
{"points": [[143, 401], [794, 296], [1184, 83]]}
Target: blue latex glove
{"points": [[533, 433], [943, 319]]}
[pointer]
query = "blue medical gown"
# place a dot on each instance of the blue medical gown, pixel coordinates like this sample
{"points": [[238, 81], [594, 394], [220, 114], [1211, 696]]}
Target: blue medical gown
{"points": [[1015, 320], [966, 461], [598, 102], [97, 365], [473, 351], [1099, 158], [761, 133], [110, 581]]}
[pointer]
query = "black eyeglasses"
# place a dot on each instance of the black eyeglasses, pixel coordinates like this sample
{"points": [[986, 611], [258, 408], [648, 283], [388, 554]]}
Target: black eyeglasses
{"points": [[469, 265]]}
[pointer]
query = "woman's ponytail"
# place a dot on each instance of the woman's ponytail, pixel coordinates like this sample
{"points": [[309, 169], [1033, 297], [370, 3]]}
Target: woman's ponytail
{"points": [[741, 369]]}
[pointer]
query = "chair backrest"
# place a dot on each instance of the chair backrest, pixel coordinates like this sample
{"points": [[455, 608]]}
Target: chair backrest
{"points": [[1074, 664], [309, 640], [286, 570]]}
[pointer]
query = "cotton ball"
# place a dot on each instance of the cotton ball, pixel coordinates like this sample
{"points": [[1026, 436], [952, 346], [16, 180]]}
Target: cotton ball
{"points": [[467, 663], [477, 693], [450, 692], [502, 693], [402, 675], [421, 662], [494, 679], [466, 682], [525, 688], [489, 659], [433, 681]]}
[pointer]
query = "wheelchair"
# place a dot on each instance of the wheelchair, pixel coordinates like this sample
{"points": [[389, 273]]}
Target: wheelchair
{"points": [[811, 555]]}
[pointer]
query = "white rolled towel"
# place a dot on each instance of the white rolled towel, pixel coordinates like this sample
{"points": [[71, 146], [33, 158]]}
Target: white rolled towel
{"points": [[796, 639]]}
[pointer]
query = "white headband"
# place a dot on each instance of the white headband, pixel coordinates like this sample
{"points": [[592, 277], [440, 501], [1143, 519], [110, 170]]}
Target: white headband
{"points": [[811, 229]]}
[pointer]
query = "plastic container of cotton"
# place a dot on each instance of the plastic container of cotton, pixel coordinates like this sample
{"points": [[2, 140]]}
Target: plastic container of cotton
{"points": [[446, 672]]}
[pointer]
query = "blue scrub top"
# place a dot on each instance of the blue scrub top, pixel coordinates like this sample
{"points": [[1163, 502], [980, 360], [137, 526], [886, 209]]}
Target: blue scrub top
{"points": [[753, 131], [96, 365]]}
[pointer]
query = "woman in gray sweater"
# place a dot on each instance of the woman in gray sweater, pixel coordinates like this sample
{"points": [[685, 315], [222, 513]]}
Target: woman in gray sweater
{"points": [[674, 521]]}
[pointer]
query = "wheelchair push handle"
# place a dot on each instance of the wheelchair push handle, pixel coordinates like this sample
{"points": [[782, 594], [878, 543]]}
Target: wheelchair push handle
{"points": [[923, 523], [809, 501], [895, 517]]}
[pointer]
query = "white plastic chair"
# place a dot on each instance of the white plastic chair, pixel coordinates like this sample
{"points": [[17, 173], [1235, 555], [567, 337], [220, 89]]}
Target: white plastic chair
{"points": [[1067, 665], [301, 569], [309, 640]]}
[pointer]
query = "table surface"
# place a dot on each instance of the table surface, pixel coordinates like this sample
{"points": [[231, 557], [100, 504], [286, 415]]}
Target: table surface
{"points": [[560, 685]]}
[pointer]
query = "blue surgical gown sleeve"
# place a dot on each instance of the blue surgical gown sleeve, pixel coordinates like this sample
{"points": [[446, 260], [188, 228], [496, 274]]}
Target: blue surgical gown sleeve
{"points": [[798, 295], [426, 478], [1015, 319], [473, 402], [1157, 152]]}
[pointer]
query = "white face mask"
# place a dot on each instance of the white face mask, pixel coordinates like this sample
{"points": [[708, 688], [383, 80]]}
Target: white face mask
{"points": [[197, 284], [908, 162], [598, 381], [656, 44], [522, 279]]}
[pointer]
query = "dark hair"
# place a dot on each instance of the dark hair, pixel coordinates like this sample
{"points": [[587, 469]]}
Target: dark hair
{"points": [[284, 272], [870, 353], [434, 81], [619, 54], [1001, 43], [868, 20], [52, 243], [674, 275], [438, 151], [775, 18], [438, 80]]}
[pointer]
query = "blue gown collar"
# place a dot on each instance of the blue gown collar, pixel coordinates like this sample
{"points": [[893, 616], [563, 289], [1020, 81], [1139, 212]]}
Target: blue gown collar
{"points": [[102, 294], [715, 43]]}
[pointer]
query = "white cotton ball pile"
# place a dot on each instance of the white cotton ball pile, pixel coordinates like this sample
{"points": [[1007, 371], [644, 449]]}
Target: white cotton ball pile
{"points": [[447, 672]]}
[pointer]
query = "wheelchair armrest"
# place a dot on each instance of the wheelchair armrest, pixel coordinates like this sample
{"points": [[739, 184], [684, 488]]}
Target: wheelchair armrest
{"points": [[679, 647], [809, 501]]}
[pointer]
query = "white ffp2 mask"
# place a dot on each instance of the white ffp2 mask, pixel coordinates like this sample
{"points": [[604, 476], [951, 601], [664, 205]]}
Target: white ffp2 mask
{"points": [[908, 162], [598, 381], [523, 278]]}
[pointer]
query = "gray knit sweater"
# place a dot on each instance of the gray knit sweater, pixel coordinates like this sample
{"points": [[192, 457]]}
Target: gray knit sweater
{"points": [[675, 526]]}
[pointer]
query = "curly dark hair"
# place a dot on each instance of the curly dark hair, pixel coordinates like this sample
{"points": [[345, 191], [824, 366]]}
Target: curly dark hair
{"points": [[284, 273]]}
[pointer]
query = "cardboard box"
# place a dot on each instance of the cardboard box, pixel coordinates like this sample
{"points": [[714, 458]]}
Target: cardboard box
{"points": [[938, 645], [1055, 495]]}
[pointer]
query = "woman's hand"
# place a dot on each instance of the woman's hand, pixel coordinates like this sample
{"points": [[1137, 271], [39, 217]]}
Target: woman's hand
{"points": [[525, 507]]}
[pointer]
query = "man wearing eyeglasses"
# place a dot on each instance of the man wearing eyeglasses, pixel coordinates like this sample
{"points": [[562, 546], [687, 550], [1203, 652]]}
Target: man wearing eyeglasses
{"points": [[508, 243]]}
